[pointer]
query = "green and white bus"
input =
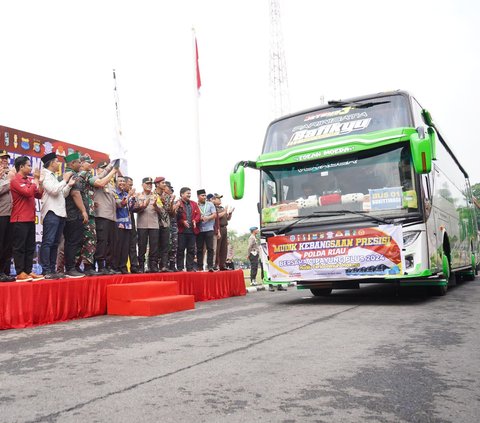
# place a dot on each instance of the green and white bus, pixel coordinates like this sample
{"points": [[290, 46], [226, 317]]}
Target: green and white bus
{"points": [[363, 190]]}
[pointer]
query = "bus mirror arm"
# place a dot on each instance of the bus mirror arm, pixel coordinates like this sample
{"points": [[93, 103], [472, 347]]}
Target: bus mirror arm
{"points": [[245, 163]]}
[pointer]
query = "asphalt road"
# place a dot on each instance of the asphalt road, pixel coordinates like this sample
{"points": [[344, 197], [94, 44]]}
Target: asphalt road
{"points": [[368, 355]]}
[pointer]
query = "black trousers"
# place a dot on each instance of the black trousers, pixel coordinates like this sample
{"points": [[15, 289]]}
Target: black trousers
{"points": [[105, 240], [73, 234], [6, 239], [186, 241], [23, 246], [205, 239], [132, 250], [222, 248], [122, 245], [163, 241], [148, 237], [254, 261]]}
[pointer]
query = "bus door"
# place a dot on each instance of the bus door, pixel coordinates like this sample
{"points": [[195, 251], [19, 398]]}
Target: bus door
{"points": [[434, 237]]}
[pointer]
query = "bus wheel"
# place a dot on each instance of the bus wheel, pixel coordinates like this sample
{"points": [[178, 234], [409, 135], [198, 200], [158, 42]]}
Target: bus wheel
{"points": [[471, 277], [321, 292], [438, 291]]}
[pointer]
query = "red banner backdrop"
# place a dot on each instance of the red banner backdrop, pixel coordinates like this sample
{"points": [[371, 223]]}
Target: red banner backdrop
{"points": [[20, 143]]}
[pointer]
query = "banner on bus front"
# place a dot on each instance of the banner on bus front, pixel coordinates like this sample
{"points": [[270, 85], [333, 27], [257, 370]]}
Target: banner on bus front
{"points": [[337, 254]]}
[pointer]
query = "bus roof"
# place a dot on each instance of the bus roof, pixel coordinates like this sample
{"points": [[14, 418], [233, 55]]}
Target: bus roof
{"points": [[348, 100]]}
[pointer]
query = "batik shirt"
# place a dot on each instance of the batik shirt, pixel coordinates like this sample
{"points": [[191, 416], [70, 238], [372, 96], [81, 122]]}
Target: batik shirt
{"points": [[123, 212]]}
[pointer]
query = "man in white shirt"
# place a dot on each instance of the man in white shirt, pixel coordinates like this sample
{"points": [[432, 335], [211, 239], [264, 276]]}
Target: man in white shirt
{"points": [[53, 212]]}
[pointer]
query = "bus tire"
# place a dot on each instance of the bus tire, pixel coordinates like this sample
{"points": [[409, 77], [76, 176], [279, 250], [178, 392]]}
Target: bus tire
{"points": [[321, 292], [439, 290], [470, 276]]}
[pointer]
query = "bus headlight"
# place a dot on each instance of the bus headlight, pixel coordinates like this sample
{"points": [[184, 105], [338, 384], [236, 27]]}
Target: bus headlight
{"points": [[410, 237]]}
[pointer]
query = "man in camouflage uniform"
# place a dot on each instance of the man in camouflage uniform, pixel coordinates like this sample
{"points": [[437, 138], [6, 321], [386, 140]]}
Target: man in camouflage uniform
{"points": [[172, 253], [88, 182]]}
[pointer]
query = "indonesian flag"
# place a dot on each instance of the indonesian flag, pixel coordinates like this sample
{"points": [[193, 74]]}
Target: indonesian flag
{"points": [[197, 67]]}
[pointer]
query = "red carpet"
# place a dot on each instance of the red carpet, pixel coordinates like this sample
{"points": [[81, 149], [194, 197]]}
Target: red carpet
{"points": [[25, 304]]}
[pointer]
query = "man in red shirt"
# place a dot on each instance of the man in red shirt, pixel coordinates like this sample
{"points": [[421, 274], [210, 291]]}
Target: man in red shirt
{"points": [[24, 190], [188, 219]]}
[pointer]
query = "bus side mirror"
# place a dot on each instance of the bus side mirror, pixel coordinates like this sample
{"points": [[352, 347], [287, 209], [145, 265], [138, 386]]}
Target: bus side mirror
{"points": [[422, 148], [237, 182]]}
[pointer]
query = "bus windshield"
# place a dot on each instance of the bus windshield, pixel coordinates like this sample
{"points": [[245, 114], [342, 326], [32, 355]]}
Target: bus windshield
{"points": [[377, 184], [340, 119]]}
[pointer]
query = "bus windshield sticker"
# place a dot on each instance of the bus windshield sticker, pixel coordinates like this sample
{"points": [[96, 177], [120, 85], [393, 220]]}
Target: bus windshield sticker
{"points": [[315, 169], [330, 130], [339, 112], [386, 198], [348, 254]]}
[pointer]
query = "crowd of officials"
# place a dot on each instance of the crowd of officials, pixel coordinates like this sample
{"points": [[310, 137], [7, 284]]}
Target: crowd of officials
{"points": [[94, 223]]}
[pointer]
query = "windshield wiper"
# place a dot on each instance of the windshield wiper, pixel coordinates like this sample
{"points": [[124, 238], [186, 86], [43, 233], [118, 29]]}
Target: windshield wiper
{"points": [[360, 213], [336, 103], [286, 228]]}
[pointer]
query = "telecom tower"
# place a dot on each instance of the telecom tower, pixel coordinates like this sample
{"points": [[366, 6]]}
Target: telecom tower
{"points": [[278, 68]]}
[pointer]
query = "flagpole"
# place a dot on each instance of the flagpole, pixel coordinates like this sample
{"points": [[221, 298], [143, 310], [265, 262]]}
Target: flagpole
{"points": [[197, 157], [117, 108], [120, 151]]}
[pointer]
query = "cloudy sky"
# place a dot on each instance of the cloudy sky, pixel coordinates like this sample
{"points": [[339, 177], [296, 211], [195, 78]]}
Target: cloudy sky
{"points": [[57, 57]]}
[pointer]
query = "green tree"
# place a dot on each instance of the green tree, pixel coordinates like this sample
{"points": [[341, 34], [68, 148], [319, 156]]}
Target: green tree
{"points": [[239, 243]]}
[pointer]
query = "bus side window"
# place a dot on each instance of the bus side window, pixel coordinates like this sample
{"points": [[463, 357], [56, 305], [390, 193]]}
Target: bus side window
{"points": [[270, 193]]}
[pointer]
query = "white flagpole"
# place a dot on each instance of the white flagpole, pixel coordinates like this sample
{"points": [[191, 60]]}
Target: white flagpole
{"points": [[197, 157], [117, 102], [119, 149]]}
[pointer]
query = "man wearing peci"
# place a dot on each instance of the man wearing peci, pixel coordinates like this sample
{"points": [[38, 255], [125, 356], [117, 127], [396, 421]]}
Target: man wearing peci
{"points": [[53, 212]]}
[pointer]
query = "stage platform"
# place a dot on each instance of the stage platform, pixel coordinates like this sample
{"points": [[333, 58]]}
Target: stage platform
{"points": [[26, 304]]}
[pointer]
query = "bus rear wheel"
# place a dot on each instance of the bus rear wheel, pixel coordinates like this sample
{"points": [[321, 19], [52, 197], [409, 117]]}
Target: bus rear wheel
{"points": [[321, 292], [471, 276]]}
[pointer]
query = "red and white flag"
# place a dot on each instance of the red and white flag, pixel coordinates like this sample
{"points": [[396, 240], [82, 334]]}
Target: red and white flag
{"points": [[197, 67]]}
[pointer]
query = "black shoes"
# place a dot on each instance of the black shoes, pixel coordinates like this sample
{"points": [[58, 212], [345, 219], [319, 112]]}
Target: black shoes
{"points": [[74, 274], [90, 271], [6, 278], [271, 288], [52, 276]]}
